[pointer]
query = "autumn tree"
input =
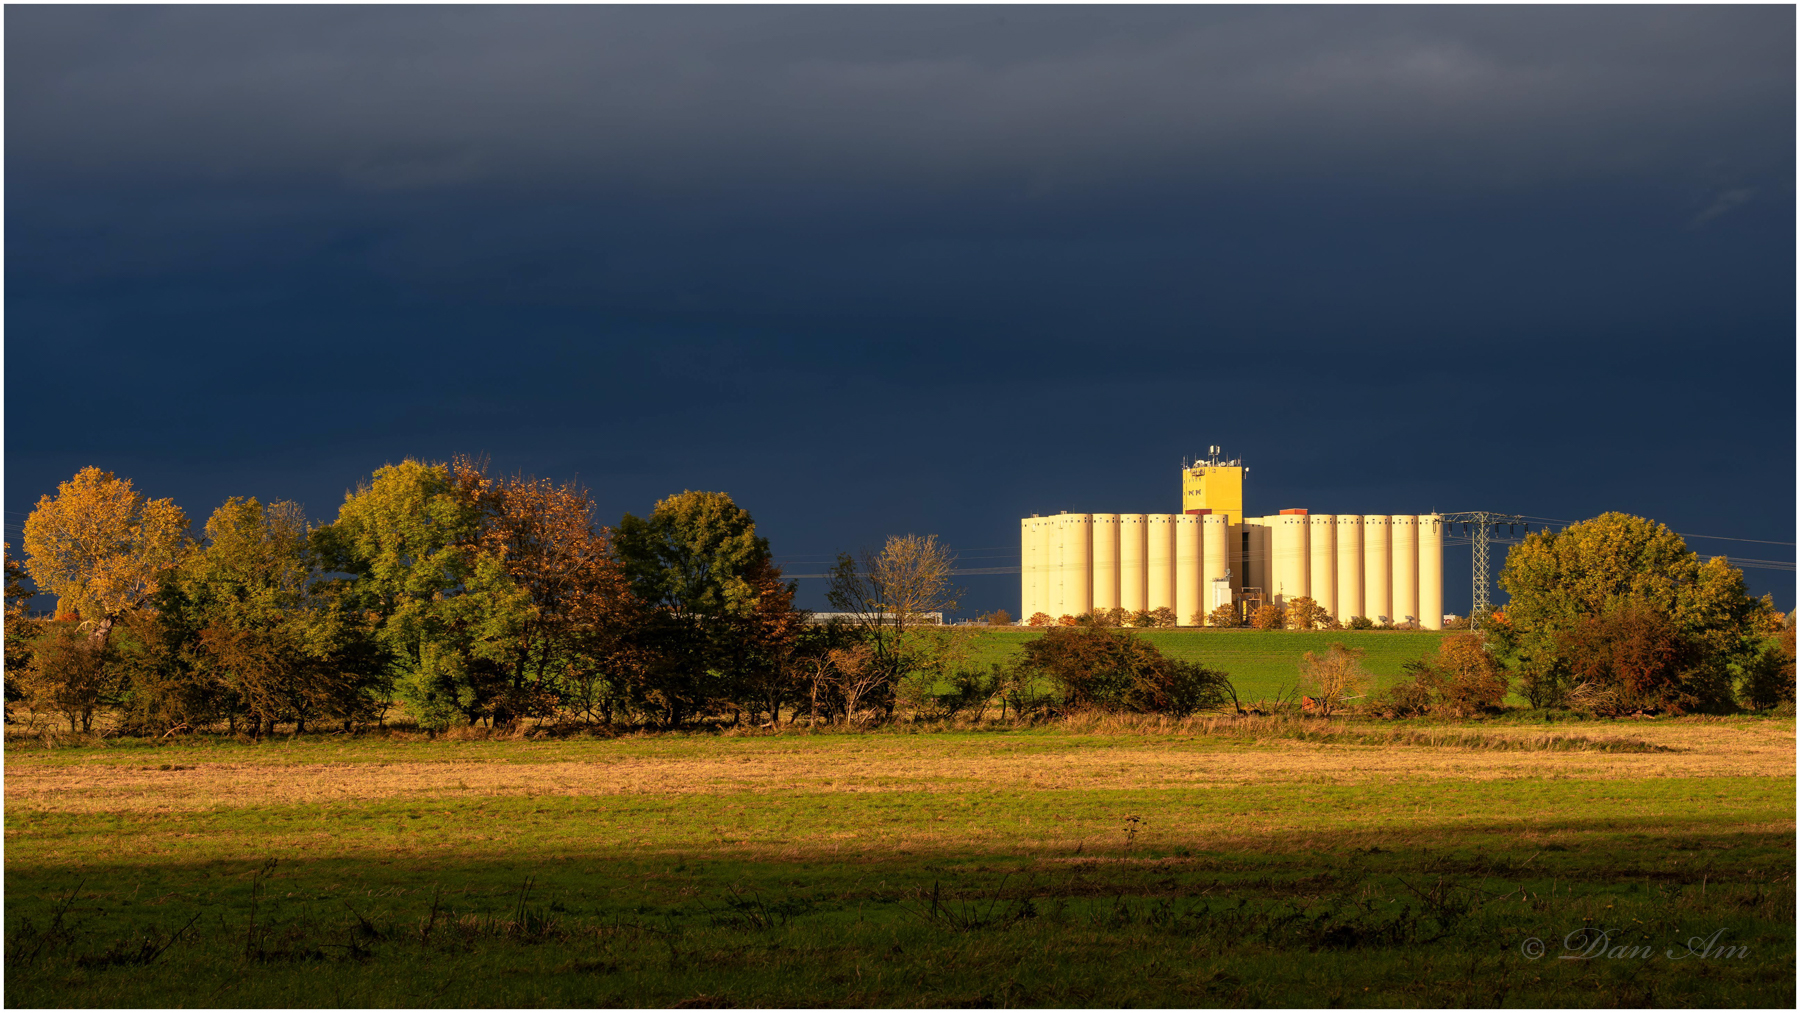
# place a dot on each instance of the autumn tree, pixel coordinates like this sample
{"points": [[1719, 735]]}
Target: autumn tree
{"points": [[1562, 582], [1633, 658], [1304, 613], [1769, 678], [575, 635], [1226, 615], [1268, 616], [101, 547], [69, 674], [708, 586], [889, 595], [1462, 679], [1114, 617], [1110, 669], [447, 615], [1330, 677], [271, 628]]}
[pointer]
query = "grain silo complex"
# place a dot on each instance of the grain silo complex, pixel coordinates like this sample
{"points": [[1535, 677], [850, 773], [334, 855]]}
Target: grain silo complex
{"points": [[1387, 567]]}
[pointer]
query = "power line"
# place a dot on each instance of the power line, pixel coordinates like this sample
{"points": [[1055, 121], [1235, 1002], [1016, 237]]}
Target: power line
{"points": [[1684, 534]]}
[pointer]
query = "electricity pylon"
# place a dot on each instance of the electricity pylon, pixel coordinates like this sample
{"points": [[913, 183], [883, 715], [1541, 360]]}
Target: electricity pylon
{"points": [[1486, 526]]}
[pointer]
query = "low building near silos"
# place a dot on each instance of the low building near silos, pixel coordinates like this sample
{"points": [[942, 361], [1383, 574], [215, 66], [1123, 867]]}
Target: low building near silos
{"points": [[1382, 566]]}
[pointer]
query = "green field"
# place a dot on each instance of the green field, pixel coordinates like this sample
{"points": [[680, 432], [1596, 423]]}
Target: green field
{"points": [[1263, 665], [1100, 862]]}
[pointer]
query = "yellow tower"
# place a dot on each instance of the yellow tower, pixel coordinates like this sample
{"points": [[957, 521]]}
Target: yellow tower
{"points": [[1214, 485]]}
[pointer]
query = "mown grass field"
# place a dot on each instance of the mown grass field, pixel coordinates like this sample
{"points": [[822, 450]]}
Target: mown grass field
{"points": [[1263, 664], [1102, 862]]}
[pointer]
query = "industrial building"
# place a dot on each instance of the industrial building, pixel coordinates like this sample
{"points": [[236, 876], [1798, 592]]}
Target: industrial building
{"points": [[1388, 567]]}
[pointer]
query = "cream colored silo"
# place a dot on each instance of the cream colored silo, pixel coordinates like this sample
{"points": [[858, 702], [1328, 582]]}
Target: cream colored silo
{"points": [[1106, 561], [1041, 528], [1133, 549], [1406, 568], [1053, 566], [1431, 571], [1259, 556], [1349, 566], [1377, 558], [1028, 575], [1291, 558], [1321, 574], [1190, 609], [1159, 561], [1215, 552], [1078, 564]]}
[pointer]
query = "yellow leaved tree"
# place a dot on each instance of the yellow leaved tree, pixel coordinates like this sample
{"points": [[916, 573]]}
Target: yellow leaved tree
{"points": [[100, 546]]}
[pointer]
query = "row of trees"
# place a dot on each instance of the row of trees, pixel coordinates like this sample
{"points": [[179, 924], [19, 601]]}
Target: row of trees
{"points": [[453, 596], [463, 596]]}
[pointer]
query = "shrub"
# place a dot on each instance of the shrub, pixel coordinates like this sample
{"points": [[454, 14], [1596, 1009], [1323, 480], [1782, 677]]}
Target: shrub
{"points": [[1304, 613], [1634, 658], [1164, 618], [1360, 623], [1188, 686], [1462, 680], [1330, 677], [1040, 619], [1105, 669], [1225, 616], [970, 690], [1267, 617], [1404, 699], [68, 675], [1769, 679]]}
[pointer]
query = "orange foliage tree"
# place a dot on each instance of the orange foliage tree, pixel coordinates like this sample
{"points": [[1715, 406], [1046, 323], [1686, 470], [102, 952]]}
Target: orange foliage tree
{"points": [[101, 547]]}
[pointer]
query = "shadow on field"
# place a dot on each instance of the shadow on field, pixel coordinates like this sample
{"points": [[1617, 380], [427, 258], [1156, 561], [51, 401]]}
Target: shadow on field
{"points": [[1344, 924]]}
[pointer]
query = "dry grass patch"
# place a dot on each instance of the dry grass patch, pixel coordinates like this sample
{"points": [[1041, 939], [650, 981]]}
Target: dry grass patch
{"points": [[1106, 754]]}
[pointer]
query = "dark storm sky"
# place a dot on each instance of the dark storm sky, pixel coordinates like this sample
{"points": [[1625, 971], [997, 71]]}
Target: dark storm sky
{"points": [[879, 270]]}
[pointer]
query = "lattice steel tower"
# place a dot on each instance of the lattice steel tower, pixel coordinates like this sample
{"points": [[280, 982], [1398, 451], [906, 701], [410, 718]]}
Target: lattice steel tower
{"points": [[1486, 525]]}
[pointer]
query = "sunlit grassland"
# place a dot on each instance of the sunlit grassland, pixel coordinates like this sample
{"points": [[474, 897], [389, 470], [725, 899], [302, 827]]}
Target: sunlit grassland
{"points": [[1204, 862], [1263, 664]]}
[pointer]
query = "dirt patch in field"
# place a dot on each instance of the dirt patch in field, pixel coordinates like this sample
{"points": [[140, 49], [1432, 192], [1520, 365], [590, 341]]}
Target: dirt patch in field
{"points": [[890, 763]]}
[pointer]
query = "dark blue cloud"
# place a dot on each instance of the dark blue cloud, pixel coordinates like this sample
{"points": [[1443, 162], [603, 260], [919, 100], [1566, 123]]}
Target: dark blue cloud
{"points": [[880, 270]]}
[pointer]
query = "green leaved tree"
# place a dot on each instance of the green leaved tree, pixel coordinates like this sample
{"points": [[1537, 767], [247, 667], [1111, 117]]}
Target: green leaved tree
{"points": [[446, 614], [710, 593], [1598, 581]]}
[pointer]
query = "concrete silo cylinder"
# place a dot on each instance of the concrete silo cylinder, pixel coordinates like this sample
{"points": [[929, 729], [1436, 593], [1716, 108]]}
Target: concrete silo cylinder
{"points": [[1377, 557], [1078, 559], [1133, 549], [1189, 547], [1159, 561], [1321, 576], [1406, 567], [1028, 566], [1106, 561], [1349, 566], [1290, 558], [1259, 554], [1215, 552], [1431, 571]]}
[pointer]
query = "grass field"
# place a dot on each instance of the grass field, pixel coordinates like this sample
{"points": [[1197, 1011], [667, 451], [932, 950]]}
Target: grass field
{"points": [[1086, 862], [1262, 665]]}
